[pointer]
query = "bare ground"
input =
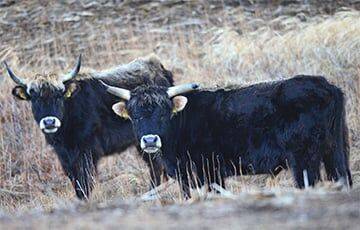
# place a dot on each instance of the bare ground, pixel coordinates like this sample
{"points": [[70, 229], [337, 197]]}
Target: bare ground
{"points": [[287, 210]]}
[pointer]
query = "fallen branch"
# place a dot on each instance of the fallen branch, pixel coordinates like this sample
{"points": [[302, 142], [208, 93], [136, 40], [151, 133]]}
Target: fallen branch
{"points": [[153, 194], [222, 191]]}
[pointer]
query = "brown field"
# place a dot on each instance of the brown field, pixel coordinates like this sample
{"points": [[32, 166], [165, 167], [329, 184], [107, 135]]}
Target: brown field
{"points": [[215, 43]]}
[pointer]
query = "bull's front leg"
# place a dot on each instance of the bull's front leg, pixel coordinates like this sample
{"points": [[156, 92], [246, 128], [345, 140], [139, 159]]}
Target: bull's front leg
{"points": [[81, 170], [156, 169]]}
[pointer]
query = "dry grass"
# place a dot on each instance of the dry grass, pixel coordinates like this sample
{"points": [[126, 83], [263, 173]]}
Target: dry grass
{"points": [[241, 49]]}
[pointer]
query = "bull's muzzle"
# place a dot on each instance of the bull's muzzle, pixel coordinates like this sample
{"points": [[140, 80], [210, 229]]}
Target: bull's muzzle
{"points": [[50, 124], [150, 143]]}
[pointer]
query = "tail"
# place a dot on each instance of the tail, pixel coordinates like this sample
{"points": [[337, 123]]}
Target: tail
{"points": [[346, 146], [337, 161]]}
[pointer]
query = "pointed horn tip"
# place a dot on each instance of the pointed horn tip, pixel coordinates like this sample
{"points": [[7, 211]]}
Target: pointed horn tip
{"points": [[5, 64], [79, 62], [7, 67], [74, 71], [15, 78]]}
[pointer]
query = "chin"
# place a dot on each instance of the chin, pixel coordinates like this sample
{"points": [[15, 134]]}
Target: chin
{"points": [[50, 131], [151, 150]]}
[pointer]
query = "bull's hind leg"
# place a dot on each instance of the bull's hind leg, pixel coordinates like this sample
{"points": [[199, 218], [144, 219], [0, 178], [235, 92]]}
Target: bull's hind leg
{"points": [[336, 160], [184, 185], [213, 171], [307, 165], [335, 168], [155, 169], [306, 175], [218, 177]]}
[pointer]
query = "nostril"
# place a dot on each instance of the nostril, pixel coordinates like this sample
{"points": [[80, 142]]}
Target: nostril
{"points": [[49, 122], [150, 139], [150, 143]]}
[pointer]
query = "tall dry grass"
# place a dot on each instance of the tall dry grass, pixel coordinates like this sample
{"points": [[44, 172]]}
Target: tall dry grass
{"points": [[30, 174]]}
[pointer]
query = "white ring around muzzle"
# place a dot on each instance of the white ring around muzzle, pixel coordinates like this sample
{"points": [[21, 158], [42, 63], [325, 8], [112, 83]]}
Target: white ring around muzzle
{"points": [[56, 125], [152, 147]]}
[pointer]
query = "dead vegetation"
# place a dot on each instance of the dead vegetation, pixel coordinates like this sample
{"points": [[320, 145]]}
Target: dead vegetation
{"points": [[214, 44]]}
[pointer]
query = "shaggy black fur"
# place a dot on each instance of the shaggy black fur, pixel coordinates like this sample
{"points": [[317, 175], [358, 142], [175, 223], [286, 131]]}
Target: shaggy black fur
{"points": [[90, 129], [259, 129]]}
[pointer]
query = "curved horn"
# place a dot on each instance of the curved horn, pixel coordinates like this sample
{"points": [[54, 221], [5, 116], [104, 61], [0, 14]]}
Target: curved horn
{"points": [[179, 89], [16, 79], [73, 72], [119, 92]]}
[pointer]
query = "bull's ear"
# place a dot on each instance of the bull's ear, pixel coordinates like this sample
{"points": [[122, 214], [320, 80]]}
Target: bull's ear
{"points": [[179, 103], [20, 93], [71, 90], [120, 109]]}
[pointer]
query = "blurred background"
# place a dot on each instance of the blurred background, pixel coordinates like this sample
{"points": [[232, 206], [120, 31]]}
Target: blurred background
{"points": [[212, 42]]}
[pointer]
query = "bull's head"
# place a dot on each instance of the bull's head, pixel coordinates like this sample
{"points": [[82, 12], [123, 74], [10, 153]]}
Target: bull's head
{"points": [[150, 109], [47, 94]]}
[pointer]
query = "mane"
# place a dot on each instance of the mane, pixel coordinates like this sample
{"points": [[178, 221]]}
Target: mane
{"points": [[144, 70]]}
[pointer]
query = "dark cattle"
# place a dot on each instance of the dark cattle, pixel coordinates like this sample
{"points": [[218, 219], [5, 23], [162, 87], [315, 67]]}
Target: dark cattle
{"points": [[260, 129], [74, 112]]}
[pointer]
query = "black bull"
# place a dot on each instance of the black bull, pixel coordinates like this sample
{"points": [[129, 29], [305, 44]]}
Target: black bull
{"points": [[79, 124], [259, 129]]}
